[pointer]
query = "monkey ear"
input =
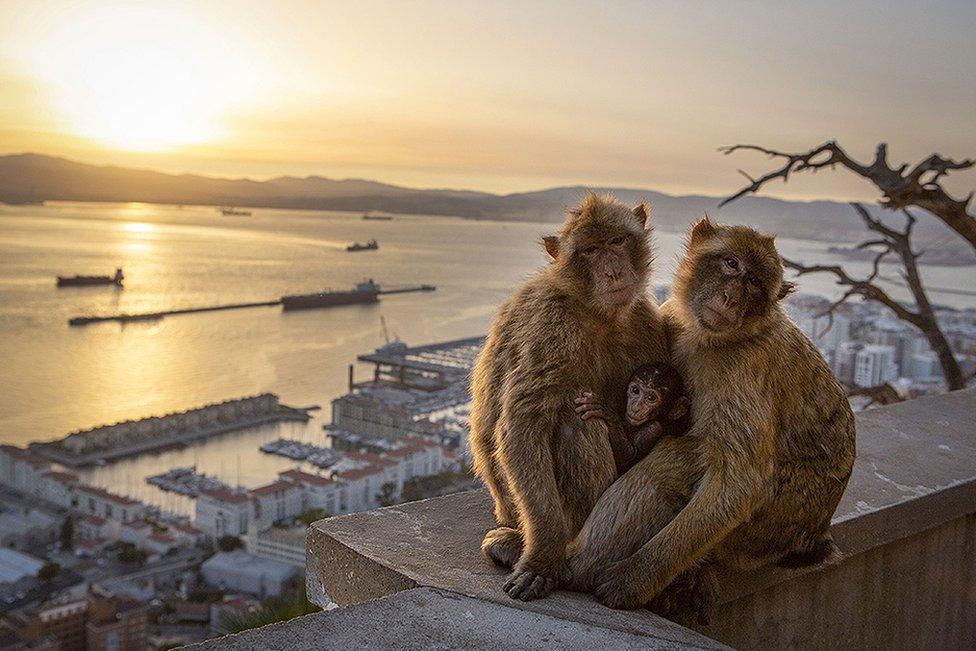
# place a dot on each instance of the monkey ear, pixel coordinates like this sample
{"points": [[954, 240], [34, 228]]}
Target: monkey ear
{"points": [[680, 408], [702, 230], [642, 212], [785, 289], [551, 245]]}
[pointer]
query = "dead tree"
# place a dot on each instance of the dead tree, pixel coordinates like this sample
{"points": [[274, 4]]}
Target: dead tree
{"points": [[900, 188]]}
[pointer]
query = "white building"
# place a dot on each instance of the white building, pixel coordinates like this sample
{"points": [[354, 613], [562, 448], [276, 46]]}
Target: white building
{"points": [[21, 470], [98, 501], [240, 571], [59, 488], [417, 457], [14, 566], [925, 367], [221, 512], [874, 366], [286, 545], [277, 501], [319, 492]]}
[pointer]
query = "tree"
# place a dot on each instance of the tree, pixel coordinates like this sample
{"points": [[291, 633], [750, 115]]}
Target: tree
{"points": [[48, 571], [273, 609], [128, 553], [310, 516], [901, 188], [229, 543], [387, 494], [67, 534]]}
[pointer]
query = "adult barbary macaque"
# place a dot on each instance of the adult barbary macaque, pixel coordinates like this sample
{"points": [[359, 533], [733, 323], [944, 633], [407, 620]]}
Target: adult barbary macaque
{"points": [[657, 405], [582, 322], [764, 465]]}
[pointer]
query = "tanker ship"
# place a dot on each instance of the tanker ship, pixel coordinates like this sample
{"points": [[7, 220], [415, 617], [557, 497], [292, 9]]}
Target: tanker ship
{"points": [[364, 292]]}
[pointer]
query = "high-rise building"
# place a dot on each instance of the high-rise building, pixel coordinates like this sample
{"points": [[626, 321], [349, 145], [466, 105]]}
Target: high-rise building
{"points": [[844, 360], [875, 365]]}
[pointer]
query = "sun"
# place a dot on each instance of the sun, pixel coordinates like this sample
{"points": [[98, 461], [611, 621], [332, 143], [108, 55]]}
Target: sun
{"points": [[145, 79]]}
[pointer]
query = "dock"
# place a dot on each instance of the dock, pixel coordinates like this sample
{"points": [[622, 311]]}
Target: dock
{"points": [[153, 316]]}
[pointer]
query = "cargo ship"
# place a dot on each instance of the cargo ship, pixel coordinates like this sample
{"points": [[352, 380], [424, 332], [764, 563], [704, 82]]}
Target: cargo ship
{"points": [[87, 281], [234, 212], [371, 245], [377, 218], [364, 292]]}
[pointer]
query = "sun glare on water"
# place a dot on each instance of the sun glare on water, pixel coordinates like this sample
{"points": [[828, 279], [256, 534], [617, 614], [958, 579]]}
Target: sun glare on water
{"points": [[144, 79]]}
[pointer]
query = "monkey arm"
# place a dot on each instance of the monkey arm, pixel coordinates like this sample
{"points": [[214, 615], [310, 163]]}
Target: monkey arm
{"points": [[530, 417], [645, 437]]}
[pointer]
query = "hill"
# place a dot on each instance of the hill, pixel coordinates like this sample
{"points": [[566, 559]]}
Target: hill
{"points": [[35, 177]]}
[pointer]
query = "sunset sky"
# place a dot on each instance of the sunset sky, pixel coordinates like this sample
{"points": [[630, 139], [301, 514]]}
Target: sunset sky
{"points": [[498, 96]]}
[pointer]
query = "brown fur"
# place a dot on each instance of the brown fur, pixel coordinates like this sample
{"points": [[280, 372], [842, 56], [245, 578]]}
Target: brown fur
{"points": [[558, 334], [759, 475]]}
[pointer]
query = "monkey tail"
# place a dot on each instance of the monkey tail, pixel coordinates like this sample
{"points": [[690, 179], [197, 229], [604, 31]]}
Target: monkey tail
{"points": [[818, 552]]}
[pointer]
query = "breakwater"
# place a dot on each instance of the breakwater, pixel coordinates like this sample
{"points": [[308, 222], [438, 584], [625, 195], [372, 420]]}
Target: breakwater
{"points": [[129, 438], [124, 317]]}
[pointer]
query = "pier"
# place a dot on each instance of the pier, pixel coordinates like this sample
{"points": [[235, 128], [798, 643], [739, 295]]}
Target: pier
{"points": [[153, 316]]}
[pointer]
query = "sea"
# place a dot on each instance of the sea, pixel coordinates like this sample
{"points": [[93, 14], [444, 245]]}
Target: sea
{"points": [[56, 379]]}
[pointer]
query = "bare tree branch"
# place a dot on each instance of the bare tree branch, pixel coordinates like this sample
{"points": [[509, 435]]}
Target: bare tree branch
{"points": [[900, 189]]}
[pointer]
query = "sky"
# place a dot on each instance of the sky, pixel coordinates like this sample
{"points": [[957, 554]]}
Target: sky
{"points": [[498, 96]]}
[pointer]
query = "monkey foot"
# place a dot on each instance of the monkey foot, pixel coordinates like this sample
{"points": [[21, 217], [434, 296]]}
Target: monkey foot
{"points": [[528, 585], [502, 546], [688, 600]]}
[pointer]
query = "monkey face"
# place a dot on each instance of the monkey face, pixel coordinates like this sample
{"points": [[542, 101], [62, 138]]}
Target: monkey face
{"points": [[602, 250], [730, 278], [644, 401]]}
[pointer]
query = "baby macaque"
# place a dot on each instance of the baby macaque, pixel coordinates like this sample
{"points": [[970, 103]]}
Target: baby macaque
{"points": [[656, 405]]}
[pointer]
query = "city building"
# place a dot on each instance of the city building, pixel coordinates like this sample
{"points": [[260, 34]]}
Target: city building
{"points": [[27, 529], [117, 624], [277, 501], [100, 502], [15, 565], [240, 571], [280, 544], [874, 366], [220, 512], [319, 492]]}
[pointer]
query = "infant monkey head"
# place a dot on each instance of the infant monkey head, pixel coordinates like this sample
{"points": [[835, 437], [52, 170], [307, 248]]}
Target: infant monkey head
{"points": [[655, 392]]}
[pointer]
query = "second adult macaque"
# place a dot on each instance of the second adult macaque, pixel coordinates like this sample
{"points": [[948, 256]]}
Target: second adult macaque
{"points": [[657, 405]]}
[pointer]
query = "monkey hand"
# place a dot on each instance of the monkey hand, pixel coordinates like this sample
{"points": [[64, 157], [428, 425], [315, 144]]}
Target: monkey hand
{"points": [[528, 582], [588, 406], [622, 586]]}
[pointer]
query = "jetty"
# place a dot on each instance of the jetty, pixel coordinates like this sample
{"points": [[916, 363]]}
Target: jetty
{"points": [[285, 301], [101, 444]]}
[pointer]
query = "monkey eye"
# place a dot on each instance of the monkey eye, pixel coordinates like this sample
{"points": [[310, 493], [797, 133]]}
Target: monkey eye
{"points": [[635, 390], [754, 281], [590, 250], [731, 264], [617, 241]]}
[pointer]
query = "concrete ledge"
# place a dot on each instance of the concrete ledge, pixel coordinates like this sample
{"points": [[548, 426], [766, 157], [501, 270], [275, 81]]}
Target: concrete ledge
{"points": [[915, 476], [425, 618]]}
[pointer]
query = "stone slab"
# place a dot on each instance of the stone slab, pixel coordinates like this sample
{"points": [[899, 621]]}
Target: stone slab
{"points": [[425, 618]]}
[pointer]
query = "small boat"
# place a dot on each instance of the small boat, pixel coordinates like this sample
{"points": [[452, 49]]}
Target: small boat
{"points": [[377, 218], [371, 245], [234, 212], [88, 281]]}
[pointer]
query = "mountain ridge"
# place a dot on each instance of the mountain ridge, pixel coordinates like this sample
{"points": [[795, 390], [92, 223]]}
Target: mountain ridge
{"points": [[31, 177]]}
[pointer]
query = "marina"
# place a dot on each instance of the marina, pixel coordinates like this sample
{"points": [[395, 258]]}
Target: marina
{"points": [[314, 454], [185, 481]]}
